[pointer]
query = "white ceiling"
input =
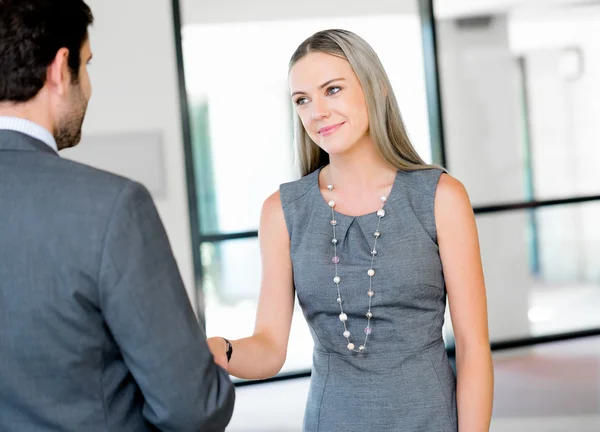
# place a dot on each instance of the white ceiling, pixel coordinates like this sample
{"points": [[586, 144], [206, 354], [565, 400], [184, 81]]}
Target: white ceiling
{"points": [[464, 8], [214, 11]]}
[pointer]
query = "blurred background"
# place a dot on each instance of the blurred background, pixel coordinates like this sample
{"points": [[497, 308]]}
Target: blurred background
{"points": [[191, 99]]}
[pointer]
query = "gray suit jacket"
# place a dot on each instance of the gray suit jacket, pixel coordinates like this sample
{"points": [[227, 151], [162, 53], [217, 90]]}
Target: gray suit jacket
{"points": [[96, 330]]}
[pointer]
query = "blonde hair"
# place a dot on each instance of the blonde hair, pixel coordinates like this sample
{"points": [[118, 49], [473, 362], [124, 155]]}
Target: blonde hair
{"points": [[385, 121]]}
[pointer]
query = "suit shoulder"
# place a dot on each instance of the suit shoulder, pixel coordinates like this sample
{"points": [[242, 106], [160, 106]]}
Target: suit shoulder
{"points": [[83, 172], [89, 186], [85, 177]]}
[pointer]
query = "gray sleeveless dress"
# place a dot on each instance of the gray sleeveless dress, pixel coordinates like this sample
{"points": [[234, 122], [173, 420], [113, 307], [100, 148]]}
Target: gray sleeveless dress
{"points": [[403, 380]]}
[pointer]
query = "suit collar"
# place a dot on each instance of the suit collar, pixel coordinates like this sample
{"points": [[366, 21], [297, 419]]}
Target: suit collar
{"points": [[18, 141], [28, 127]]}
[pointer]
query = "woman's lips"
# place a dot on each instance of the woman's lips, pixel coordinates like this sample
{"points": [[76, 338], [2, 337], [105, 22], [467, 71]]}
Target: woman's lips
{"points": [[328, 130]]}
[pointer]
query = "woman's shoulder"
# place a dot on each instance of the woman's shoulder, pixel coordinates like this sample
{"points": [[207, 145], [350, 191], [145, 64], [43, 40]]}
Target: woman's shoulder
{"points": [[294, 190], [422, 181], [451, 193]]}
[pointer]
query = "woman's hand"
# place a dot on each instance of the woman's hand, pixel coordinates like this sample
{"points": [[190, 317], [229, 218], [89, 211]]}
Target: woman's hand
{"points": [[218, 348]]}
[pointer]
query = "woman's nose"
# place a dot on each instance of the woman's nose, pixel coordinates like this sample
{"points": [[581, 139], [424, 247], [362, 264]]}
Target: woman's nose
{"points": [[320, 110]]}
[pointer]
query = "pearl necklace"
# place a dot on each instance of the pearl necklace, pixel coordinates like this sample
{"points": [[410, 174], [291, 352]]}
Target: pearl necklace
{"points": [[371, 272]]}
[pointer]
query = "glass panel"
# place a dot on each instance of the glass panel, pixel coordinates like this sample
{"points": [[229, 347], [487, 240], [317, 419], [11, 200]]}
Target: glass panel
{"points": [[541, 269], [231, 285], [242, 116], [521, 99]]}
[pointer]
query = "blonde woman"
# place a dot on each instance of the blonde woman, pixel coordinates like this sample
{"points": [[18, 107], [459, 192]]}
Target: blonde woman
{"points": [[371, 239]]}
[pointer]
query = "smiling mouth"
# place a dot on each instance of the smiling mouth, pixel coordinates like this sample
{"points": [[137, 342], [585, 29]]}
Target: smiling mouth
{"points": [[328, 130]]}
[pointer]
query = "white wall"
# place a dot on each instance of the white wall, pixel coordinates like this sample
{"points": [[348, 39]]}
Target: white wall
{"points": [[481, 118], [134, 82]]}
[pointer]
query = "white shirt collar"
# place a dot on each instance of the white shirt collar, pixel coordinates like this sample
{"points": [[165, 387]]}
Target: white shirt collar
{"points": [[30, 128]]}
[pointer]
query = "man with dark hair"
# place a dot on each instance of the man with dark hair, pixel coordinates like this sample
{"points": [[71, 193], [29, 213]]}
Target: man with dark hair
{"points": [[96, 329]]}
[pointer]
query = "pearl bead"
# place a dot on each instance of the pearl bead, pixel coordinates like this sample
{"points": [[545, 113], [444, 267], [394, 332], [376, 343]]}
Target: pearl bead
{"points": [[346, 334], [371, 272], [339, 300], [350, 346], [377, 234], [369, 315], [343, 317], [383, 198], [334, 241], [361, 348], [336, 260], [336, 280], [381, 213], [331, 204], [368, 330], [370, 293], [333, 222], [374, 252], [330, 187]]}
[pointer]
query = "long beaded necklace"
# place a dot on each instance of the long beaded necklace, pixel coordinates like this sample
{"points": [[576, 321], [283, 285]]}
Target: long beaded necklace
{"points": [[371, 272]]}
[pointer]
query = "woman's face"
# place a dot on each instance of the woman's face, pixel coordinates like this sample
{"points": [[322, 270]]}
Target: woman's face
{"points": [[329, 101]]}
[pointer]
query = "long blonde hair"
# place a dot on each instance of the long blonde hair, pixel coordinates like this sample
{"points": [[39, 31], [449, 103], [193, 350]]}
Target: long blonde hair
{"points": [[385, 121]]}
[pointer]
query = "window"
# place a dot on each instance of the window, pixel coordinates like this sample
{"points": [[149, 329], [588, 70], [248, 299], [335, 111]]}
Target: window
{"points": [[241, 120]]}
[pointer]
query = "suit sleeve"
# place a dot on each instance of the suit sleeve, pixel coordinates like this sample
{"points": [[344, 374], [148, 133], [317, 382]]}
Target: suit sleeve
{"points": [[149, 314]]}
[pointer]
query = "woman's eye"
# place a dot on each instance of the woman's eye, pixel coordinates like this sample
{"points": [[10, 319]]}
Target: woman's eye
{"points": [[333, 90]]}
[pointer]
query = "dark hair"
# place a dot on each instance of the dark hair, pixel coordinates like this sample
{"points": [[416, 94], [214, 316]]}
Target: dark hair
{"points": [[31, 33]]}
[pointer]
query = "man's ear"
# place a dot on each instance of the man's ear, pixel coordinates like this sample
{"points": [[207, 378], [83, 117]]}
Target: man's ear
{"points": [[58, 76]]}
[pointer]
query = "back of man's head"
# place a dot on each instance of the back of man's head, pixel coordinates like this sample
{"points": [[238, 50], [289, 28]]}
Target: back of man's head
{"points": [[31, 34]]}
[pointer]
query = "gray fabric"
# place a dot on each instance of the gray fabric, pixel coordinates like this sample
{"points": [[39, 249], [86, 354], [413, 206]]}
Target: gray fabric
{"points": [[404, 381], [96, 330]]}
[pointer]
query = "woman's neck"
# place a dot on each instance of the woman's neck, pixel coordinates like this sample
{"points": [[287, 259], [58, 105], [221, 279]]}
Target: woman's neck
{"points": [[362, 170]]}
